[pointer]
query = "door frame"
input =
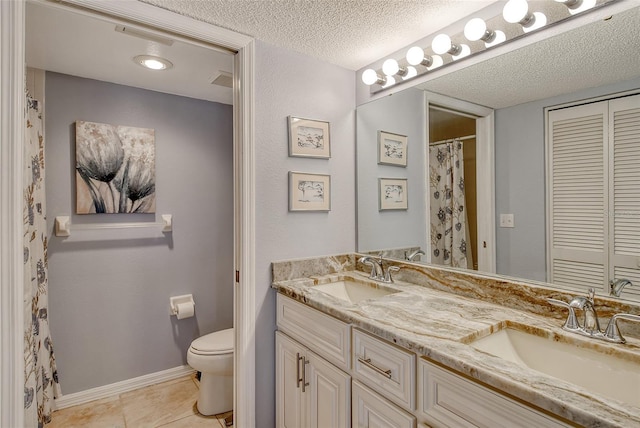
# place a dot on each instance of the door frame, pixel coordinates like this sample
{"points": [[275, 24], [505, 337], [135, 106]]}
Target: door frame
{"points": [[12, 105], [485, 175]]}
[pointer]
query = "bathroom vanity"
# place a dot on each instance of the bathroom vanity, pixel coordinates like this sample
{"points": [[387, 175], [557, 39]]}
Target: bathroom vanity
{"points": [[425, 351]]}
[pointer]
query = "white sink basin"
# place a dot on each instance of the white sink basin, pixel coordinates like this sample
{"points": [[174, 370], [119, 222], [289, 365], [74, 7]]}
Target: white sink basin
{"points": [[607, 375], [353, 292]]}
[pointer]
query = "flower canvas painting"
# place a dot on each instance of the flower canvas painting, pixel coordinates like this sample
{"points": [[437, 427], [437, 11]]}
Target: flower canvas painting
{"points": [[115, 169]]}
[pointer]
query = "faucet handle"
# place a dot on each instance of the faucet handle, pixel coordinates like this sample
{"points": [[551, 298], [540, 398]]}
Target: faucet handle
{"points": [[612, 332], [572, 321], [387, 275]]}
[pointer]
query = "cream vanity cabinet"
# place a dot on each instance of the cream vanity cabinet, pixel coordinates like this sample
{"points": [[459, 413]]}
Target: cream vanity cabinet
{"points": [[313, 388], [447, 399], [329, 374], [310, 391]]}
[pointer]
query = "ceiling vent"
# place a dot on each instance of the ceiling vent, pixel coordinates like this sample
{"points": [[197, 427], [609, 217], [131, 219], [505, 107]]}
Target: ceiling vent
{"points": [[223, 78], [143, 35]]}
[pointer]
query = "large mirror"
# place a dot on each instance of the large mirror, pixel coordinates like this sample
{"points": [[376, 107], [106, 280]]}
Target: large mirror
{"points": [[593, 60]]}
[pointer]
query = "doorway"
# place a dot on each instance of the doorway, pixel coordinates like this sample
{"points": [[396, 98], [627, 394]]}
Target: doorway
{"points": [[448, 126], [483, 119], [12, 137]]}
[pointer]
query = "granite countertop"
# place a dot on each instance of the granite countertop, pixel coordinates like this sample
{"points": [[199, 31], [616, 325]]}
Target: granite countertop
{"points": [[440, 325]]}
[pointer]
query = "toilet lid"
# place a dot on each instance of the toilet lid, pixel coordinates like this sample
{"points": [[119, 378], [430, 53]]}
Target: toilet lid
{"points": [[218, 342]]}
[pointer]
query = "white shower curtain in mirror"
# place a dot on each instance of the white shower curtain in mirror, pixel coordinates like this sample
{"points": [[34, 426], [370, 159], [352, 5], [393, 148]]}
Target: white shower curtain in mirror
{"points": [[448, 211], [40, 374]]}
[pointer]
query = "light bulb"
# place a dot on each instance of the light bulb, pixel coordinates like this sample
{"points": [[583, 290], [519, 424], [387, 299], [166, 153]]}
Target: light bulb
{"points": [[370, 76], [499, 38], [465, 50], [411, 72], [153, 62], [436, 61], [442, 44], [515, 11], [389, 81], [540, 20], [390, 67], [415, 55], [475, 29]]}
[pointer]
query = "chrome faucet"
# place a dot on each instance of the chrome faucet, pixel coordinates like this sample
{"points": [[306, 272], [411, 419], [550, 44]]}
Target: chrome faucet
{"points": [[411, 257], [378, 272], [616, 286], [591, 325]]}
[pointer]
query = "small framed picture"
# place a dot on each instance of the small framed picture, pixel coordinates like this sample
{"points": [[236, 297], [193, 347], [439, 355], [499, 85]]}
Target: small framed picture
{"points": [[393, 194], [309, 192], [392, 149], [309, 138]]}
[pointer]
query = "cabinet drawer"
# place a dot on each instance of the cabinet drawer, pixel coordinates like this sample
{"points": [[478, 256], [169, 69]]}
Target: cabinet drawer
{"points": [[325, 335], [369, 410], [386, 368], [449, 400]]}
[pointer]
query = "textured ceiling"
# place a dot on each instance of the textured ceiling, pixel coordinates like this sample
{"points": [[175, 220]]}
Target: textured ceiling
{"points": [[348, 33], [597, 54]]}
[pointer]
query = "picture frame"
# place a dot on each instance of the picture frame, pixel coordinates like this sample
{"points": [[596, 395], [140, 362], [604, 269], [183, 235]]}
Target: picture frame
{"points": [[309, 192], [309, 138], [392, 149], [393, 194]]}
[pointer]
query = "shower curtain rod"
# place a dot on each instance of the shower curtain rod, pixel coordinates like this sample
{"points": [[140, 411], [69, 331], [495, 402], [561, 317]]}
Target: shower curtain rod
{"points": [[466, 137]]}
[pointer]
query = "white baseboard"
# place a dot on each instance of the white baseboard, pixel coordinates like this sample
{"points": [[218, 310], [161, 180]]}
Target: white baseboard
{"points": [[105, 391]]}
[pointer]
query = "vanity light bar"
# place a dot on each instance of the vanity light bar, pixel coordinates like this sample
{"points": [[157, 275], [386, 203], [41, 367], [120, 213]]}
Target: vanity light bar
{"points": [[445, 51]]}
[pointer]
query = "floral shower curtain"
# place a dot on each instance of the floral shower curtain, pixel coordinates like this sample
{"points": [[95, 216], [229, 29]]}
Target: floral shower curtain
{"points": [[40, 375], [449, 234]]}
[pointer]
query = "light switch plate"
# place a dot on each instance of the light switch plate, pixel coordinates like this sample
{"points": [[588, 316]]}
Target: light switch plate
{"points": [[506, 220]]}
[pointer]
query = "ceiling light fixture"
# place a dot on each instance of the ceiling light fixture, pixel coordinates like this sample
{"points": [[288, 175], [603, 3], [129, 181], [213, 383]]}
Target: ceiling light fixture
{"points": [[442, 44], [517, 11], [418, 61], [416, 56], [391, 67], [370, 77], [476, 29], [153, 62]]}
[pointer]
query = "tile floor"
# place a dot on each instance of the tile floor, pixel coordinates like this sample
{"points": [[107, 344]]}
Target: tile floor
{"points": [[170, 404]]}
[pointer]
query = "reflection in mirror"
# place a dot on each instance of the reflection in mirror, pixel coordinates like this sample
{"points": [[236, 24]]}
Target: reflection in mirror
{"points": [[594, 60], [452, 188]]}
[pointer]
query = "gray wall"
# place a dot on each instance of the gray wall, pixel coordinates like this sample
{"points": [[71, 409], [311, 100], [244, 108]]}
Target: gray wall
{"points": [[288, 83], [402, 113], [520, 183], [109, 290]]}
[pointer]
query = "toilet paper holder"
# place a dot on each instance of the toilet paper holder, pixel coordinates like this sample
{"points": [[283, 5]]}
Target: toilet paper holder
{"points": [[177, 300]]}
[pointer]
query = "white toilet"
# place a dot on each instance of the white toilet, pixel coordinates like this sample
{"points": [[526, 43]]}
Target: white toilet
{"points": [[212, 356]]}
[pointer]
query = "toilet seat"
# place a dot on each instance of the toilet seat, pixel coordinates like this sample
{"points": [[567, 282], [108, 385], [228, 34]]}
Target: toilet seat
{"points": [[216, 343]]}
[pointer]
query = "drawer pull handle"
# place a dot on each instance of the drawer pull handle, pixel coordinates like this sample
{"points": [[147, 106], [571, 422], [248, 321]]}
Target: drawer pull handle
{"points": [[298, 378], [368, 363]]}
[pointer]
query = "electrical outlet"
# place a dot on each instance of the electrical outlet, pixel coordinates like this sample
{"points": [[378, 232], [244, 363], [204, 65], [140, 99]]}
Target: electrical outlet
{"points": [[506, 220]]}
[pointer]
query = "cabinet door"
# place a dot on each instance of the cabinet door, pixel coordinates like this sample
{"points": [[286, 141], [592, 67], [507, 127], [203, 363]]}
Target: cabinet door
{"points": [[369, 410], [329, 394], [290, 401]]}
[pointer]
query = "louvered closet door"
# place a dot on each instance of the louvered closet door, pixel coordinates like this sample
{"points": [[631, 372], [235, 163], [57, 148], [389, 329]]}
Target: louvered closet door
{"points": [[577, 169], [624, 136]]}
